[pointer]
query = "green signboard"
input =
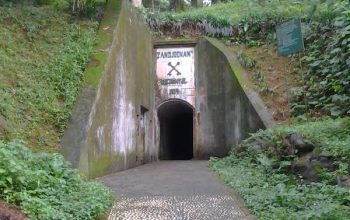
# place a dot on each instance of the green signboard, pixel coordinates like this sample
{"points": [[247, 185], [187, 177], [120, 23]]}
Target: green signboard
{"points": [[289, 37]]}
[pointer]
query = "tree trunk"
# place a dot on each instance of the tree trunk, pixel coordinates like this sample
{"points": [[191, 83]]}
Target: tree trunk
{"points": [[176, 5], [194, 3]]}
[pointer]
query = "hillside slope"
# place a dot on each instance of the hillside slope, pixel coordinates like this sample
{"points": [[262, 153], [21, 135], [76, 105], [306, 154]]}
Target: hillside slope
{"points": [[43, 52]]}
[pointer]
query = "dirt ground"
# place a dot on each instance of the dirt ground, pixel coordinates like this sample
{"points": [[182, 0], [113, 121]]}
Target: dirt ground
{"points": [[8, 212], [276, 70]]}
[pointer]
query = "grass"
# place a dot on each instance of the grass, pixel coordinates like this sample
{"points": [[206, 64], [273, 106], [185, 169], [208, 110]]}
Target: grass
{"points": [[43, 52]]}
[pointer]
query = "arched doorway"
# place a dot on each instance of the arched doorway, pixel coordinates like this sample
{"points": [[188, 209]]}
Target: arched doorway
{"points": [[176, 130]]}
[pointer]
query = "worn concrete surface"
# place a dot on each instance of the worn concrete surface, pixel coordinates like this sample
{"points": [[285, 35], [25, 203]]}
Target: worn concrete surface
{"points": [[173, 190]]}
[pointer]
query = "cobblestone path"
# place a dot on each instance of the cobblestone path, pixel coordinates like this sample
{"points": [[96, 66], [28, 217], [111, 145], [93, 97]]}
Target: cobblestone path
{"points": [[173, 190]]}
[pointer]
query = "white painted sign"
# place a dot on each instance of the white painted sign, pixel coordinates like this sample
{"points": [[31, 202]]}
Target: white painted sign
{"points": [[175, 73], [206, 3]]}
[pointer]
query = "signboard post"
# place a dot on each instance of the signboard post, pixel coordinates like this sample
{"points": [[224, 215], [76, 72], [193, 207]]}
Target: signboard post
{"points": [[289, 37], [289, 41]]}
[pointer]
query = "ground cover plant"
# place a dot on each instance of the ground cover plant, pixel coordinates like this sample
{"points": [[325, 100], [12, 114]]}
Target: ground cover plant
{"points": [[327, 60], [43, 53], [44, 185], [262, 169], [276, 196]]}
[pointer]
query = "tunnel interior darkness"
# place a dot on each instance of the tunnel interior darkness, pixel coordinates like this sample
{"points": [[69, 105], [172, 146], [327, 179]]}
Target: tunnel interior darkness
{"points": [[176, 131]]}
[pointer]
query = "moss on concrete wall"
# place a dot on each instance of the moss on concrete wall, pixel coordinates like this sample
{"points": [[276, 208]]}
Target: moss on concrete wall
{"points": [[108, 24], [121, 70], [73, 141], [244, 83], [112, 141]]}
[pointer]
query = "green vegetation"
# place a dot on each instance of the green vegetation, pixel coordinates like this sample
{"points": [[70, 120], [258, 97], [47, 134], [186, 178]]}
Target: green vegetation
{"points": [[83, 8], [272, 195], [331, 137], [243, 20], [44, 52], [326, 25], [328, 66], [45, 187], [258, 77], [263, 175]]}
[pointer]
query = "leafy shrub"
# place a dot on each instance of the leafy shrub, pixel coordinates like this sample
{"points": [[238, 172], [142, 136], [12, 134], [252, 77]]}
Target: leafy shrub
{"points": [[327, 77], [272, 195], [260, 176], [331, 136], [44, 185]]}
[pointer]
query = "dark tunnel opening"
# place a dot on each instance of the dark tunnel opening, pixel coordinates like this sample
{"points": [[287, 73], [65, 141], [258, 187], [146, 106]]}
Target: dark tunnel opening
{"points": [[176, 131]]}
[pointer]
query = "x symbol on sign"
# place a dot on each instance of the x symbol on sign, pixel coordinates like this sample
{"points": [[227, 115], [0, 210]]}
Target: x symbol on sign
{"points": [[173, 68]]}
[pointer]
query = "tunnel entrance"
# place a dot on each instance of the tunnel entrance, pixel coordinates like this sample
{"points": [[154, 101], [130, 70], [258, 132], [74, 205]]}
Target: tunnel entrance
{"points": [[176, 130]]}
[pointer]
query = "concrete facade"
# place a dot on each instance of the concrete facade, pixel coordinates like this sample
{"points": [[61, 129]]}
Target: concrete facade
{"points": [[121, 126], [227, 108], [114, 131]]}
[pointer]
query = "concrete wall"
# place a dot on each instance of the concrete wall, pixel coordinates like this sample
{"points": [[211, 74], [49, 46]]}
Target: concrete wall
{"points": [[227, 109], [113, 139], [115, 135], [115, 125], [73, 141]]}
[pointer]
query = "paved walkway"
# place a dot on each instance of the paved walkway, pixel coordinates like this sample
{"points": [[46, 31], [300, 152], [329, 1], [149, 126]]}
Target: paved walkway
{"points": [[174, 190]]}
